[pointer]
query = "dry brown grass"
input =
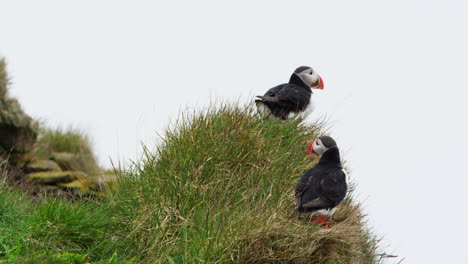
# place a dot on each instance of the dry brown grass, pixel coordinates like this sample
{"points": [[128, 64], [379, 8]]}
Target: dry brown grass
{"points": [[284, 238]]}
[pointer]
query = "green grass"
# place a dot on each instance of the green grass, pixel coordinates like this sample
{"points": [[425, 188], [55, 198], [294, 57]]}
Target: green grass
{"points": [[54, 231], [218, 189]]}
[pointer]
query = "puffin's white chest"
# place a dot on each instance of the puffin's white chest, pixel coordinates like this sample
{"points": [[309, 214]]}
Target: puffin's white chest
{"points": [[325, 212]]}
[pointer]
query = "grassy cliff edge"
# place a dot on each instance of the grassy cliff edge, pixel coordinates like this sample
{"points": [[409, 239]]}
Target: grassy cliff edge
{"points": [[218, 189]]}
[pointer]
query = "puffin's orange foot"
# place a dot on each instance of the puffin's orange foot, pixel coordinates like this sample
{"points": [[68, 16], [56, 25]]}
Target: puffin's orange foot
{"points": [[321, 220]]}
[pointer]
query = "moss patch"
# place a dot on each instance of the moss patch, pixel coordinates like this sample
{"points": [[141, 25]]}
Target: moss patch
{"points": [[53, 177]]}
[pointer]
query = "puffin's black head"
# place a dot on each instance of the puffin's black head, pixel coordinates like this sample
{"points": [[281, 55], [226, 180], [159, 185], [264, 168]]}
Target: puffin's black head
{"points": [[320, 145], [309, 77]]}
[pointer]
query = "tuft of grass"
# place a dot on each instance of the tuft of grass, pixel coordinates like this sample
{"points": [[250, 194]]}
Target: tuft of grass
{"points": [[70, 140], [219, 189]]}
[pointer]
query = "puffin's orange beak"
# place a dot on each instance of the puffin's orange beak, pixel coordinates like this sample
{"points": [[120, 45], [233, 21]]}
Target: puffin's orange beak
{"points": [[320, 86], [310, 150]]}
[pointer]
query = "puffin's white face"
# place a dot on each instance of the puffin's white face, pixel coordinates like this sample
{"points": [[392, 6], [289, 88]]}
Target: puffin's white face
{"points": [[310, 77], [320, 145], [318, 148]]}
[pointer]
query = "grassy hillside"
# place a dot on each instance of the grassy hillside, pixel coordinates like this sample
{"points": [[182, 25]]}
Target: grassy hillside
{"points": [[218, 189]]}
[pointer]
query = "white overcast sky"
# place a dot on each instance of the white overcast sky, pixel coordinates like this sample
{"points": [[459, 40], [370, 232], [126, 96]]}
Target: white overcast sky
{"points": [[395, 77]]}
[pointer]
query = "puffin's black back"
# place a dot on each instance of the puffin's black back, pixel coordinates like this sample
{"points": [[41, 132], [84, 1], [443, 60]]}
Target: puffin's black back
{"points": [[288, 97], [324, 186]]}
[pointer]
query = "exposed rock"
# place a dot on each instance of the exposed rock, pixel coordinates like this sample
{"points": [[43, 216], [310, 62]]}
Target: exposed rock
{"points": [[55, 177], [18, 132], [41, 165], [81, 184], [69, 161]]}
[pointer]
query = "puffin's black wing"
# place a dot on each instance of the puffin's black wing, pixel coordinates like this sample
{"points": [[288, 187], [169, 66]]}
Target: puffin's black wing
{"points": [[273, 91], [287, 95], [333, 186], [302, 186], [286, 98], [308, 192], [320, 189], [295, 96]]}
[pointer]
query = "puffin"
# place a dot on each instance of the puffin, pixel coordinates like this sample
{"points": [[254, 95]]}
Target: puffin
{"points": [[288, 99], [323, 187]]}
